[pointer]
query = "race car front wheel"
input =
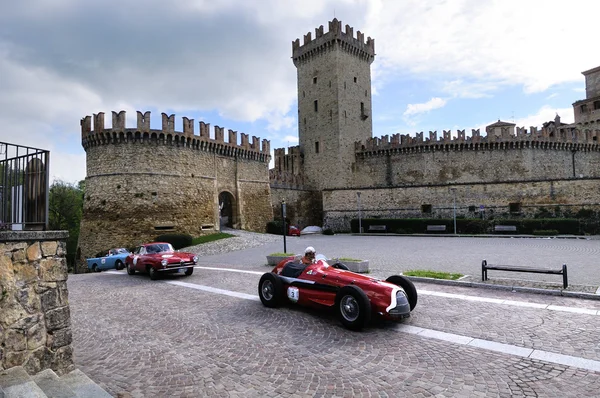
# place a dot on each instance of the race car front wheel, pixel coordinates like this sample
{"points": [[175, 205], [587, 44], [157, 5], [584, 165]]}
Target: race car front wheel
{"points": [[353, 306], [408, 286], [270, 290]]}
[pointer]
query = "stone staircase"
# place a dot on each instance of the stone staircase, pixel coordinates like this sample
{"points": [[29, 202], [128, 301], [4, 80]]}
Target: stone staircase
{"points": [[16, 383]]}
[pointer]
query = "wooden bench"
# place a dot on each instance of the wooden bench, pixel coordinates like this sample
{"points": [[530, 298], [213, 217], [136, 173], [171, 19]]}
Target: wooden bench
{"points": [[436, 228], [512, 268], [381, 228], [505, 228]]}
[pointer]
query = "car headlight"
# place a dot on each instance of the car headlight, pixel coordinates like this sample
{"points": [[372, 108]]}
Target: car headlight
{"points": [[195, 259], [164, 262]]}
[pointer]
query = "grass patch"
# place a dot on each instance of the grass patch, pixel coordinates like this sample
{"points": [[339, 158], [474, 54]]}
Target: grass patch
{"points": [[349, 259], [433, 274], [210, 238], [281, 254]]}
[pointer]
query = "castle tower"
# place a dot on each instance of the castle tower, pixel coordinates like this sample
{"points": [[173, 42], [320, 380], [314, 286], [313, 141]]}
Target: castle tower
{"points": [[587, 111], [334, 102]]}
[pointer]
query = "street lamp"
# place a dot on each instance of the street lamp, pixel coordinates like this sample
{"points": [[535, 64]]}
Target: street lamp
{"points": [[454, 207], [359, 218]]}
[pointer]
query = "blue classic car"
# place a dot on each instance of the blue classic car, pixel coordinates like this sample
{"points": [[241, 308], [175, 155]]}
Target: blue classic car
{"points": [[115, 258]]}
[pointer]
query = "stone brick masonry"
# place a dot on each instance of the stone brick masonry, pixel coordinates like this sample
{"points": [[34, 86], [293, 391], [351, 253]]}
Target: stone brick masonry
{"points": [[141, 183], [35, 325]]}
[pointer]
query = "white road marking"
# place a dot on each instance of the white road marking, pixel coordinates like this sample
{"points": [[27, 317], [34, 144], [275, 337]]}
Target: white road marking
{"points": [[215, 290], [549, 307], [546, 356], [233, 270], [568, 360]]}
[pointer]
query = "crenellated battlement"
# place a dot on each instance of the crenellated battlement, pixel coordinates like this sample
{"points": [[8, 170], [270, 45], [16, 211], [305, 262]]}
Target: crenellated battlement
{"points": [[335, 37], [498, 136], [119, 133]]}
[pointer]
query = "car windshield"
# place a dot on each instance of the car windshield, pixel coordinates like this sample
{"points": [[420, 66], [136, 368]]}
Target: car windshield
{"points": [[120, 251], [159, 248], [321, 257]]}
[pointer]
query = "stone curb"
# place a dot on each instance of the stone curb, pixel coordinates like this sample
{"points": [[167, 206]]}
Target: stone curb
{"points": [[550, 292], [589, 237]]}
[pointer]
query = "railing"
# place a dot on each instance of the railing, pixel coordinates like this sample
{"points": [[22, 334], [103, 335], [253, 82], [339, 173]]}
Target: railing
{"points": [[24, 187]]}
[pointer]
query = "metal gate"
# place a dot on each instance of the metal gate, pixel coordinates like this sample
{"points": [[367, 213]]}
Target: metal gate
{"points": [[24, 187]]}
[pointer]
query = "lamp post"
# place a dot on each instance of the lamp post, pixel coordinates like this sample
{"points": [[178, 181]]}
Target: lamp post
{"points": [[454, 207], [283, 218], [359, 218]]}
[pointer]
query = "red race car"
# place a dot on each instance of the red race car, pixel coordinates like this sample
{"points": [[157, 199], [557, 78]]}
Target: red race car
{"points": [[355, 297], [160, 257]]}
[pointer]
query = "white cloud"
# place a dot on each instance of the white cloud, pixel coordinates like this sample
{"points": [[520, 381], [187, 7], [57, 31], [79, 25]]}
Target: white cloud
{"points": [[290, 139], [530, 43], [545, 114], [434, 103], [460, 88]]}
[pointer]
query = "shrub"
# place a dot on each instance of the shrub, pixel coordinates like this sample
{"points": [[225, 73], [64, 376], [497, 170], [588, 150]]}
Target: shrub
{"points": [[177, 240], [276, 227], [328, 231], [545, 232], [527, 226]]}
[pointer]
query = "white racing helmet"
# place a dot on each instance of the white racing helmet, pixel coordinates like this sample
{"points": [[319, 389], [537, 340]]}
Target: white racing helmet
{"points": [[310, 249]]}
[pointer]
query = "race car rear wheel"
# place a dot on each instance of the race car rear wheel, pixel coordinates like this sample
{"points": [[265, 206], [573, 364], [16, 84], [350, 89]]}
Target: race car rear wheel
{"points": [[130, 270], [95, 268], [270, 290], [408, 286], [353, 306], [119, 265]]}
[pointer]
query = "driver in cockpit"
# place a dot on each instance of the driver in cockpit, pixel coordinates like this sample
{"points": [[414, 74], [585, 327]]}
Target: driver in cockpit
{"points": [[309, 256]]}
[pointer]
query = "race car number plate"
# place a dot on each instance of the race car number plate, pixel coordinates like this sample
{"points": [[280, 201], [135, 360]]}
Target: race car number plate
{"points": [[293, 294]]}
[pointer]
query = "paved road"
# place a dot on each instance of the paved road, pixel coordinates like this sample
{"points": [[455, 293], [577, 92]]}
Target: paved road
{"points": [[392, 254], [208, 335]]}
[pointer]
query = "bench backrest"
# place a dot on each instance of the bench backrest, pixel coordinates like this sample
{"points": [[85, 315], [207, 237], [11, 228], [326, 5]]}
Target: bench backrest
{"points": [[436, 227]]}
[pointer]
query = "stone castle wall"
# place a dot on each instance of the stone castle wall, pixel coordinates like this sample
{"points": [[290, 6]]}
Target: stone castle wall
{"points": [[482, 164], [303, 206], [141, 183], [340, 206], [35, 325]]}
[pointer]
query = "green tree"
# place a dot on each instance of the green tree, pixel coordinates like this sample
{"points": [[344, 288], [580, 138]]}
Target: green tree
{"points": [[65, 209]]}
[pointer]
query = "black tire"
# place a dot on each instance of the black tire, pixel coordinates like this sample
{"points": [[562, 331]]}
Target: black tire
{"points": [[153, 273], [353, 307], [270, 290], [189, 271], [130, 270], [119, 265], [340, 266], [408, 286], [95, 268]]}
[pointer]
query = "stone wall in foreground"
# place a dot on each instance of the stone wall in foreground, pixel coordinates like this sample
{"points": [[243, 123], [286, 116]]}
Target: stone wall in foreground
{"points": [[35, 323]]}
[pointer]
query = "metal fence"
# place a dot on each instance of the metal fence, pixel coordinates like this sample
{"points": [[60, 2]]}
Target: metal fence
{"points": [[24, 187]]}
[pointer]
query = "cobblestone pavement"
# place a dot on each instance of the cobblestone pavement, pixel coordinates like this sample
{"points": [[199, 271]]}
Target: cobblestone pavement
{"points": [[163, 339]]}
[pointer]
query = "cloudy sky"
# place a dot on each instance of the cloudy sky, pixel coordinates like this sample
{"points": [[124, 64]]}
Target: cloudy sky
{"points": [[453, 64]]}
